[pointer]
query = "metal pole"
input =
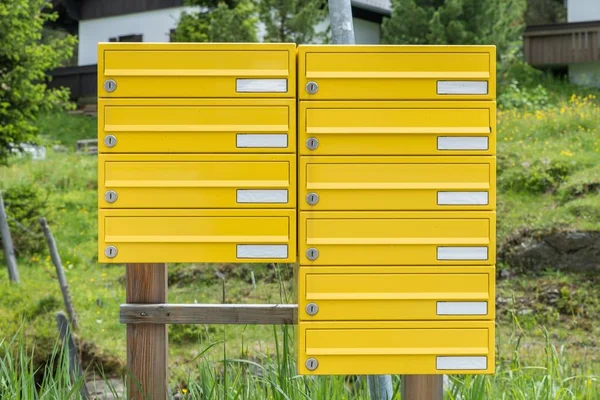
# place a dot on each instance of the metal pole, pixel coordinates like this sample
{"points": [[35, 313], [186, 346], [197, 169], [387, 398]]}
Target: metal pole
{"points": [[340, 17], [75, 369], [342, 30], [7, 243], [60, 273], [380, 387]]}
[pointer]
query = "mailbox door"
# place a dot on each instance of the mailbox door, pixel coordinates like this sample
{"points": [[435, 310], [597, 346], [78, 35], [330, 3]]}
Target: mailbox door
{"points": [[397, 128], [197, 181], [397, 238], [227, 236], [196, 70], [360, 348], [196, 126], [396, 293], [396, 72], [397, 183]]}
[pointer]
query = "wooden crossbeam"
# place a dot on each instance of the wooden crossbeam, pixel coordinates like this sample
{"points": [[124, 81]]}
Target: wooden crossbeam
{"points": [[239, 314]]}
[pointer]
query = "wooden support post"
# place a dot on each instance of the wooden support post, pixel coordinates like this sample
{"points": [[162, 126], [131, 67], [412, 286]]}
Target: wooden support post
{"points": [[423, 387], [147, 344], [7, 243], [60, 273]]}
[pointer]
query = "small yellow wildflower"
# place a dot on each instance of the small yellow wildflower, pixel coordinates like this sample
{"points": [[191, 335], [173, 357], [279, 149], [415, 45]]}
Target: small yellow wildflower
{"points": [[184, 391], [566, 153]]}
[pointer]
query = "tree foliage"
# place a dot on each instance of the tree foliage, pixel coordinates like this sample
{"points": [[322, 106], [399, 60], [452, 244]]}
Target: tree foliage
{"points": [[292, 20], [218, 21], [497, 22], [24, 60], [545, 12]]}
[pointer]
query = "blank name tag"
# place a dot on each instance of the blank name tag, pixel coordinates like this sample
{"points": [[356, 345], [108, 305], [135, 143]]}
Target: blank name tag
{"points": [[462, 198], [261, 196], [261, 85], [461, 363], [252, 140], [262, 251], [462, 253], [462, 143], [461, 308], [462, 87]]}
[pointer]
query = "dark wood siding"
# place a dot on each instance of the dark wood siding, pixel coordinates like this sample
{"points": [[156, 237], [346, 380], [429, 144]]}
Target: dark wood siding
{"points": [[81, 80], [562, 44], [91, 9]]}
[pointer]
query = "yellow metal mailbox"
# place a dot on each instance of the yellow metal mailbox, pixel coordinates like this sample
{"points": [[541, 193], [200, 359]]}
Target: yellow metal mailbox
{"points": [[396, 72], [196, 70], [396, 293], [397, 183], [444, 128], [197, 126], [384, 347], [397, 238], [154, 236], [197, 181]]}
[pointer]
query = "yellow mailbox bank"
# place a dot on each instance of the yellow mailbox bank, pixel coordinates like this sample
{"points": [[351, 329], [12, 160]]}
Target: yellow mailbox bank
{"points": [[197, 148], [396, 200]]}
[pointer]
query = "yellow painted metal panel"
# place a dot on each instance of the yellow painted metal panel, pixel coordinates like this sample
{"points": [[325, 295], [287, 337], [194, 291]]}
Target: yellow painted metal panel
{"points": [[396, 293], [394, 72], [397, 238], [398, 127], [197, 181], [397, 183], [231, 236], [197, 126], [204, 70], [360, 348]]}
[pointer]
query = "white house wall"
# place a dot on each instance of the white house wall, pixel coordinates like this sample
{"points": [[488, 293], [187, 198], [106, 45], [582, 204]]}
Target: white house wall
{"points": [[153, 25], [583, 10]]}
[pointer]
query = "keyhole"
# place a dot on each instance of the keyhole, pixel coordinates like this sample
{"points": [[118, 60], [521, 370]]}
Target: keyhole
{"points": [[111, 196], [110, 251], [312, 254], [312, 198], [312, 87], [312, 308], [110, 141], [311, 364], [312, 143], [110, 85]]}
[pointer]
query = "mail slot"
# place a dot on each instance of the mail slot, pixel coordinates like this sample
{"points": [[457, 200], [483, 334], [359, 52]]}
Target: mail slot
{"points": [[397, 238], [396, 293], [197, 126], [197, 181], [414, 347], [396, 72], [397, 183], [196, 70], [228, 236], [397, 128]]}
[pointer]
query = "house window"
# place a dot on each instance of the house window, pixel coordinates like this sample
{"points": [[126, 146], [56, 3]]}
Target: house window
{"points": [[126, 38]]}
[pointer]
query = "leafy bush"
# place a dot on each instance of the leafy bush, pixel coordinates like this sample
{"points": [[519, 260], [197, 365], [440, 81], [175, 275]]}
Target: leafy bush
{"points": [[518, 96], [25, 203], [538, 176], [24, 60]]}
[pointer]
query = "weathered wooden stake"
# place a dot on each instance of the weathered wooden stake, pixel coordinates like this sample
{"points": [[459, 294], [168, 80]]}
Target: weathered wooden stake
{"points": [[75, 369], [423, 387], [147, 345], [60, 273], [7, 244]]}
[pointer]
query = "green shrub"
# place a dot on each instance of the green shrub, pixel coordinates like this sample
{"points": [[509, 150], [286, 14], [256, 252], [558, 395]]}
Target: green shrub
{"points": [[536, 176], [515, 95], [25, 203], [581, 183]]}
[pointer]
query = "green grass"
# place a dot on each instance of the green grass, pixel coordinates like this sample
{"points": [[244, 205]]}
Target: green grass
{"points": [[548, 177]]}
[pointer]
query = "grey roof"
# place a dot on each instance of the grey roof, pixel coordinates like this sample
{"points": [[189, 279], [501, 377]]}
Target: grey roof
{"points": [[380, 6]]}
